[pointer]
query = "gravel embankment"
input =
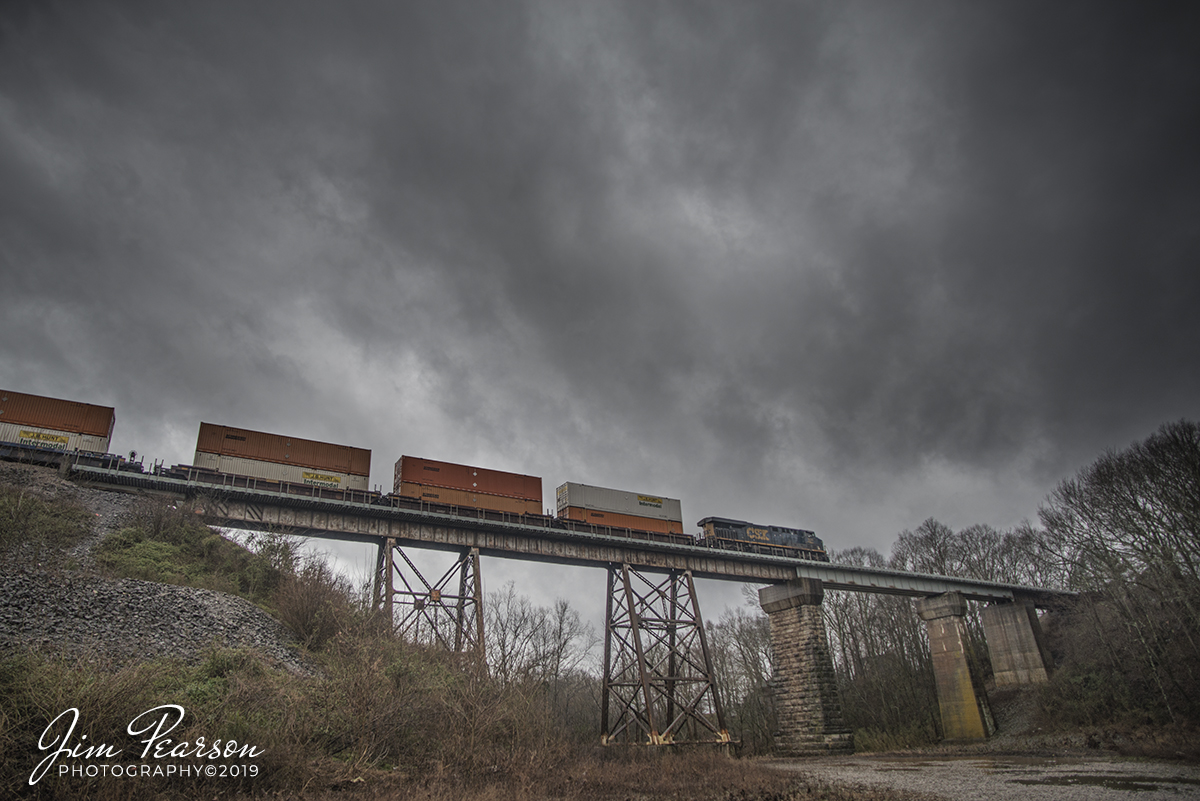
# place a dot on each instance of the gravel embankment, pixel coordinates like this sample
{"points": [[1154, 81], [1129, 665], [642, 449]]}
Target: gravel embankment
{"points": [[78, 613], [120, 621]]}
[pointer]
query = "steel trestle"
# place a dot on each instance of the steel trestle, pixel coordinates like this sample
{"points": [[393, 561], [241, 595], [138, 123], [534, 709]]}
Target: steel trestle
{"points": [[659, 687], [435, 613]]}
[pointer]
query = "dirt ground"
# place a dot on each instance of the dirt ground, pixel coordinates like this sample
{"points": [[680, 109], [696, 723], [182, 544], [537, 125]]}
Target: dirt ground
{"points": [[986, 777]]}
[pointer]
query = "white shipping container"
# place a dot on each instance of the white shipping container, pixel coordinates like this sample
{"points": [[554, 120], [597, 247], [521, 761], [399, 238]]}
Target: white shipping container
{"points": [[601, 499], [293, 474], [33, 436]]}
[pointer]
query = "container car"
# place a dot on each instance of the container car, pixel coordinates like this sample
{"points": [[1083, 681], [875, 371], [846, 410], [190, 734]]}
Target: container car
{"points": [[54, 424], [244, 452], [619, 508], [428, 472], [465, 485], [722, 532], [477, 500]]}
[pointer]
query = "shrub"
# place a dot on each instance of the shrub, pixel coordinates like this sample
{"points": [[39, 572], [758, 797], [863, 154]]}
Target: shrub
{"points": [[166, 543], [917, 735], [314, 603], [28, 518]]}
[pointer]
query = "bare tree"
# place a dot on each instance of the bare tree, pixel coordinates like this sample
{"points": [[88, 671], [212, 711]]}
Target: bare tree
{"points": [[512, 626], [547, 651], [1128, 526], [881, 652], [931, 548], [740, 646], [565, 644]]}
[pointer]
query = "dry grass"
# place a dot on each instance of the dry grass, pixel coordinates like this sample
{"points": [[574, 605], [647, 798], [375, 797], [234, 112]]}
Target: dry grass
{"points": [[165, 542], [597, 774], [28, 519], [313, 602], [386, 721]]}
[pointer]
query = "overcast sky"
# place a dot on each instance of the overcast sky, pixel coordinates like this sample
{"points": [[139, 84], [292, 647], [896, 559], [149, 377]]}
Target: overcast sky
{"points": [[842, 266]]}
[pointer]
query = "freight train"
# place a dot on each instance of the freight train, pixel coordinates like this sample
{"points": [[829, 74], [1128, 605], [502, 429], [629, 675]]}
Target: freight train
{"points": [[237, 457]]}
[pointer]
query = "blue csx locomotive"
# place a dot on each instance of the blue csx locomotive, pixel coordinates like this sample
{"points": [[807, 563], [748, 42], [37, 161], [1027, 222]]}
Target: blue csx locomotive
{"points": [[723, 532]]}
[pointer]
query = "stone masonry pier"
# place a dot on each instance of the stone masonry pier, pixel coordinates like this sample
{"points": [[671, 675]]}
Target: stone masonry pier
{"points": [[807, 703]]}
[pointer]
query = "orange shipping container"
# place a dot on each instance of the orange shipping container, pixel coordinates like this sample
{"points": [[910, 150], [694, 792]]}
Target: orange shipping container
{"points": [[60, 415], [246, 444], [427, 472], [618, 520], [479, 500]]}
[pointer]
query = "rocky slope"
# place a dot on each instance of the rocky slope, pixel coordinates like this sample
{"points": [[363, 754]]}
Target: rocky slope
{"points": [[64, 606]]}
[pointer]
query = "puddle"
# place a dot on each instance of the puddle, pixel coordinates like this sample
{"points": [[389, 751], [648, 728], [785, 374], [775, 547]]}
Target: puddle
{"points": [[1008, 764], [1110, 782], [1035, 761], [1019, 778]]}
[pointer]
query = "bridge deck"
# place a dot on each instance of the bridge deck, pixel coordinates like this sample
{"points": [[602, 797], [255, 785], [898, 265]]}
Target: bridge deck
{"points": [[256, 509]]}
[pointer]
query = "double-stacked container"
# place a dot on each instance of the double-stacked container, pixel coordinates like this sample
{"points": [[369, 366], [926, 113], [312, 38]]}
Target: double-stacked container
{"points": [[290, 459], [619, 509], [463, 485], [54, 424]]}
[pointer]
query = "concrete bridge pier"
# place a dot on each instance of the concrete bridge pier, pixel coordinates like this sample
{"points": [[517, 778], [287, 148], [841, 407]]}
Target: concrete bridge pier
{"points": [[1020, 655], [961, 700], [807, 702]]}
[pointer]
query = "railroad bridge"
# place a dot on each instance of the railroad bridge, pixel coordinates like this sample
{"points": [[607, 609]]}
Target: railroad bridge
{"points": [[658, 677]]}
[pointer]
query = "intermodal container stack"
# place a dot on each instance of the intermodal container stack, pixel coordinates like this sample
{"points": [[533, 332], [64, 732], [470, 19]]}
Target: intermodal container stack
{"points": [[619, 509], [54, 424], [290, 459], [463, 485]]}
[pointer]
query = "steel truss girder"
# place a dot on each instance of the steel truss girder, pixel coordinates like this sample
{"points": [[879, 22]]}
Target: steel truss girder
{"points": [[659, 687], [435, 613]]}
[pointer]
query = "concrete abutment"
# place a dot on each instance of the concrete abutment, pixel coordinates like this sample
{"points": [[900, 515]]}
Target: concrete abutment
{"points": [[1018, 649], [807, 702], [961, 699]]}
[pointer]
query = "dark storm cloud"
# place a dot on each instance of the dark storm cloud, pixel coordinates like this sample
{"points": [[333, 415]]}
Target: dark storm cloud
{"points": [[695, 244], [1039, 292], [1079, 229]]}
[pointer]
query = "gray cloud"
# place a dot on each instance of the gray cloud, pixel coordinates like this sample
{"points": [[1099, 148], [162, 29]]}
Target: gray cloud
{"points": [[840, 265]]}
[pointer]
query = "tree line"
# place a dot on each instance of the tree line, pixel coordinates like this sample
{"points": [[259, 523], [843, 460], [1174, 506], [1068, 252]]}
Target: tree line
{"points": [[1124, 532]]}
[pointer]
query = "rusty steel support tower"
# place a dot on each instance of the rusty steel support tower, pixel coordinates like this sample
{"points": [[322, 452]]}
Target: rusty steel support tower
{"points": [[659, 687], [434, 613]]}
